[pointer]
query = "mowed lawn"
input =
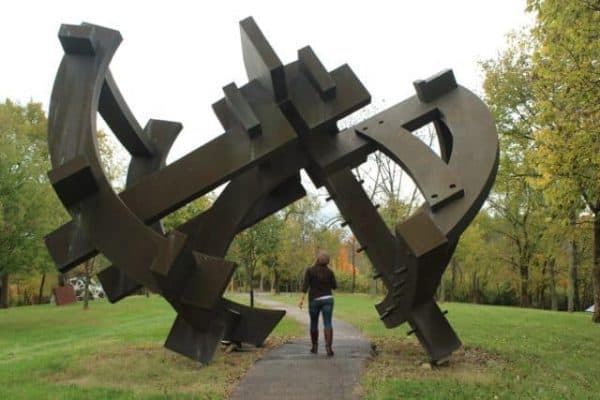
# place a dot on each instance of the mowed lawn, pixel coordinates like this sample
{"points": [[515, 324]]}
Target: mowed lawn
{"points": [[111, 351], [115, 352], [509, 353]]}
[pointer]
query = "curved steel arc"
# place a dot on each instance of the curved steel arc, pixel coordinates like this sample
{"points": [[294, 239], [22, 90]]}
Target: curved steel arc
{"points": [[117, 114], [117, 283], [476, 161], [148, 148], [436, 180], [472, 162], [71, 132]]}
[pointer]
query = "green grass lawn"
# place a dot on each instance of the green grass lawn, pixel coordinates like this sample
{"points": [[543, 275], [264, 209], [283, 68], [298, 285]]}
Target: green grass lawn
{"points": [[509, 353], [115, 352], [111, 351]]}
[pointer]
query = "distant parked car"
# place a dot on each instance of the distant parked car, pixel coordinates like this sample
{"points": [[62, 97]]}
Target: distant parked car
{"points": [[590, 308], [78, 283]]}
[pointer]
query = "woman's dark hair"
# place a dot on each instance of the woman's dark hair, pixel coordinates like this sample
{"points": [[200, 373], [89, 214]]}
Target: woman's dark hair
{"points": [[321, 263], [322, 258]]}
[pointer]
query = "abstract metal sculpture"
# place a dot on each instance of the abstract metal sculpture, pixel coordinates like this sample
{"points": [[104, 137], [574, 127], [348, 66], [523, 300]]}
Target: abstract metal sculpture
{"points": [[283, 120]]}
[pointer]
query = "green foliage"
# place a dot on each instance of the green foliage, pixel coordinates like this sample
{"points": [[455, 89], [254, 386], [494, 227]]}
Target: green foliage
{"points": [[543, 92], [566, 65], [279, 248], [28, 206], [344, 282], [186, 213], [257, 247], [113, 161], [299, 245]]}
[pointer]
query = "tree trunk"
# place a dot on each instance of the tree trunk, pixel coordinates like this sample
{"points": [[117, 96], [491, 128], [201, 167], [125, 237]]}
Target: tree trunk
{"points": [[572, 295], [475, 289], [585, 295], [553, 297], [596, 268], [262, 282], [274, 282], [41, 293], [524, 271], [251, 286], [18, 291], [4, 293], [442, 290], [86, 292], [353, 250], [453, 268], [89, 270], [541, 290]]}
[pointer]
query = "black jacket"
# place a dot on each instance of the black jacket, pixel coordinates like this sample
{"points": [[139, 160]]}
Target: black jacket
{"points": [[320, 280]]}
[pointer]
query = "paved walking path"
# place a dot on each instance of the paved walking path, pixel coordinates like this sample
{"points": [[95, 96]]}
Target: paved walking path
{"points": [[291, 372]]}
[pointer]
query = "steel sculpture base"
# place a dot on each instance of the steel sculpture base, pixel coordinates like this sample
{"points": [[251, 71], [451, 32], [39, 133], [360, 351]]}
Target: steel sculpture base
{"points": [[283, 120]]}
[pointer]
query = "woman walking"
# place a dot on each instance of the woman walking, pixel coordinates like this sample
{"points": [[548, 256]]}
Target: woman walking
{"points": [[319, 280]]}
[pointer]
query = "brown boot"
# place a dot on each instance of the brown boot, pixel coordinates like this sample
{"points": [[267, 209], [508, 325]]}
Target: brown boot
{"points": [[314, 338], [329, 341]]}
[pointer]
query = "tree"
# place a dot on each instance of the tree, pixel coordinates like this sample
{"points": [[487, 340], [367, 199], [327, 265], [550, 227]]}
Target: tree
{"points": [[272, 228], [543, 93], [256, 246], [515, 199], [28, 209], [519, 225], [566, 64], [299, 244], [473, 262], [89, 271]]}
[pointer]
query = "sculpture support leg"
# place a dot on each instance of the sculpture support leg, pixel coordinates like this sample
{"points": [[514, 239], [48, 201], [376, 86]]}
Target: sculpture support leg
{"points": [[433, 331]]}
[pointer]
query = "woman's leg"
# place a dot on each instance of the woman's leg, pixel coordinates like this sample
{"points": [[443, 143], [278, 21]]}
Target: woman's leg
{"points": [[313, 311], [327, 309]]}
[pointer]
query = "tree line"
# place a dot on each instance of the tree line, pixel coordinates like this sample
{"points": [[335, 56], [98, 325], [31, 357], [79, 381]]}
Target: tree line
{"points": [[544, 212]]}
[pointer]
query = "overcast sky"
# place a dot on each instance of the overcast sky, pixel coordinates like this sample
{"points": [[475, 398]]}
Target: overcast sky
{"points": [[176, 56]]}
